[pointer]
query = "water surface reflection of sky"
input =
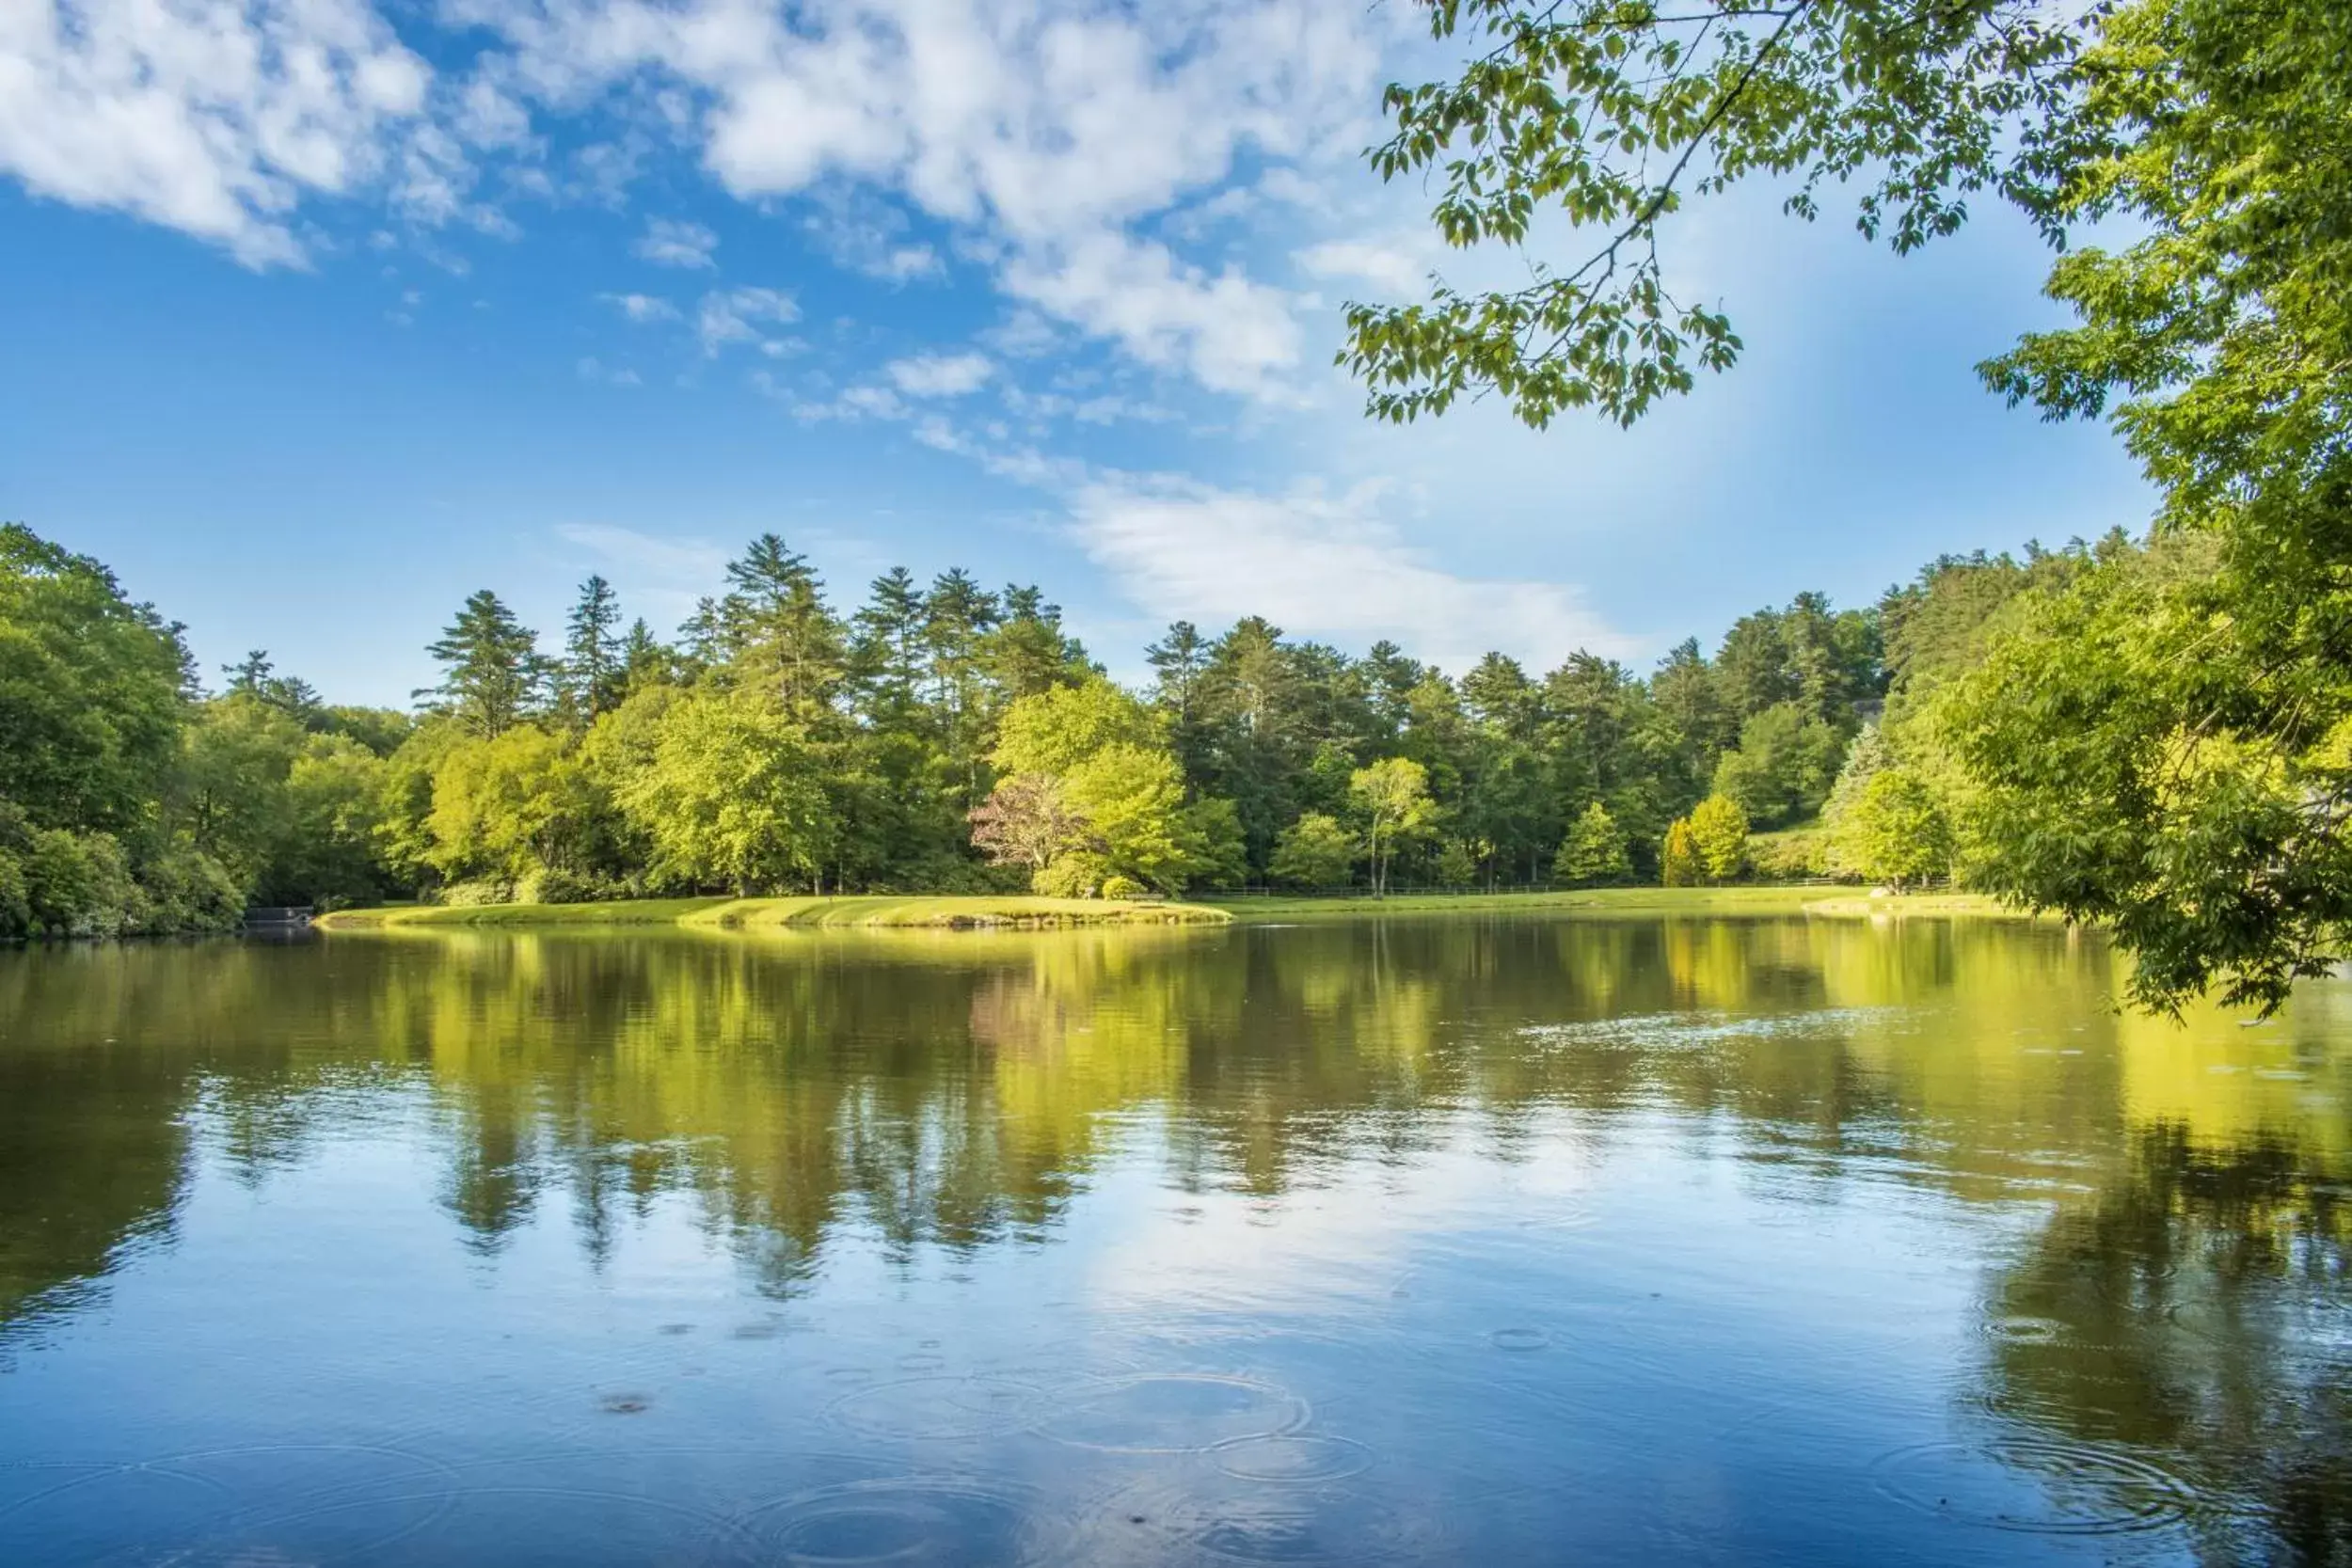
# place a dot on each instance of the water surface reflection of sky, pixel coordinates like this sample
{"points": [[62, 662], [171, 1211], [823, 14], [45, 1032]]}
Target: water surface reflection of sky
{"points": [[1420, 1242]]}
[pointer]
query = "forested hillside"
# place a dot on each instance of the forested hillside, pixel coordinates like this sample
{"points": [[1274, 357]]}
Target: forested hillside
{"points": [[945, 737]]}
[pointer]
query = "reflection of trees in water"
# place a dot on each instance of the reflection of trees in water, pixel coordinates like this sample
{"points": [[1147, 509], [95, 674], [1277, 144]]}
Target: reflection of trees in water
{"points": [[956, 1090], [2199, 1308]]}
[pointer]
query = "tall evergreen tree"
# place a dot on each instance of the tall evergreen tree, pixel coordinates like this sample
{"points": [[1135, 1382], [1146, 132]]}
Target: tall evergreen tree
{"points": [[595, 671], [492, 671]]}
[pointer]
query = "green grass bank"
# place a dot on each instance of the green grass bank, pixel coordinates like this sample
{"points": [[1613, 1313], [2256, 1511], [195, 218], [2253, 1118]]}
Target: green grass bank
{"points": [[1009, 912], [1023, 912]]}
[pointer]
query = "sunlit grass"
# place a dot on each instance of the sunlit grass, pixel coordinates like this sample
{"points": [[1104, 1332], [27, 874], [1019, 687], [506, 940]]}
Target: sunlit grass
{"points": [[874, 912]]}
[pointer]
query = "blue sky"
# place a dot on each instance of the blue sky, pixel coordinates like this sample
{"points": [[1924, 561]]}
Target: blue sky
{"points": [[321, 314]]}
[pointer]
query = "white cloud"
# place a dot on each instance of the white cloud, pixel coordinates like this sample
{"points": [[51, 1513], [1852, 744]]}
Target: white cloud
{"points": [[1319, 565], [1232, 333], [1394, 268], [641, 308], [212, 117], [1039, 137], [669, 243], [741, 316], [1042, 133], [868, 236], [940, 376]]}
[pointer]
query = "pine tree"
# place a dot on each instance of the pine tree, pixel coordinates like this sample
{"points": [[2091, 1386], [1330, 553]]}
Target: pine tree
{"points": [[493, 671], [643, 659], [594, 674], [777, 631], [889, 652]]}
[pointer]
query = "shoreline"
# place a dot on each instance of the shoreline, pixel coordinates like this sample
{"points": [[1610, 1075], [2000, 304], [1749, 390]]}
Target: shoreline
{"points": [[860, 911], [1016, 912]]}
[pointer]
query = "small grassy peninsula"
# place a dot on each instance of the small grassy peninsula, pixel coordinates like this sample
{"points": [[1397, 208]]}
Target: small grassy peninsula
{"points": [[878, 913]]}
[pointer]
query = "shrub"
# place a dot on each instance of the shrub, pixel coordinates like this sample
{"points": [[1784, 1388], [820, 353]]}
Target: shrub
{"points": [[553, 885], [79, 885], [189, 891], [1122, 887]]}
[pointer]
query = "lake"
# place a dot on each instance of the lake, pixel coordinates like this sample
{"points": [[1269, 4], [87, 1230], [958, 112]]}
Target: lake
{"points": [[1419, 1241]]}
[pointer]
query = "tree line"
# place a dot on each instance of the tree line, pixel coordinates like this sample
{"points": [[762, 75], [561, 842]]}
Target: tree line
{"points": [[943, 737]]}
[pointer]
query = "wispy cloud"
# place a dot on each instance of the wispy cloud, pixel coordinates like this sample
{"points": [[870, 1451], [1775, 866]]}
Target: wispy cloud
{"points": [[1317, 565], [940, 376], [641, 308], [667, 243], [742, 316]]}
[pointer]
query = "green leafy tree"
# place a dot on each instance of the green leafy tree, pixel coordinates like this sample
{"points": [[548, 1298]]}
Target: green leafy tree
{"points": [[1132, 798], [1613, 113], [1897, 831], [1315, 851], [228, 794], [1090, 790], [1458, 864], [1679, 863], [1719, 830], [1055, 730], [734, 794], [2218, 340], [1594, 852], [1785, 766], [94, 690], [506, 806], [492, 671], [328, 853], [2212, 838], [1215, 853], [1392, 797]]}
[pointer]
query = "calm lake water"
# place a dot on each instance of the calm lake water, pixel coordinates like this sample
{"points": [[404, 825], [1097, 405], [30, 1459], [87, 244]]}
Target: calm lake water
{"points": [[1440, 1241]]}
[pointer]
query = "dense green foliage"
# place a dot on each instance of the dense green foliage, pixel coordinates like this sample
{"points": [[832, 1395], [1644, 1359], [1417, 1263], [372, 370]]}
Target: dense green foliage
{"points": [[2162, 743], [952, 740], [935, 739]]}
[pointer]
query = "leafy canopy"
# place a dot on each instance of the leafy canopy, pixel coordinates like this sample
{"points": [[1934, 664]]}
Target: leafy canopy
{"points": [[1613, 112]]}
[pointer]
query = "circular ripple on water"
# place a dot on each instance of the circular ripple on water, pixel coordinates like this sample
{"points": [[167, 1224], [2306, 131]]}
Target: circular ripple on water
{"points": [[113, 1513], [1215, 1519], [1292, 1458], [2042, 1487], [933, 1522], [1172, 1413], [2021, 1329], [1520, 1340], [306, 1500], [939, 1407]]}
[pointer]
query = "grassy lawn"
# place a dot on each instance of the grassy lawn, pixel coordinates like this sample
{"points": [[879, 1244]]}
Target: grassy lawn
{"points": [[1021, 912], [1015, 911]]}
